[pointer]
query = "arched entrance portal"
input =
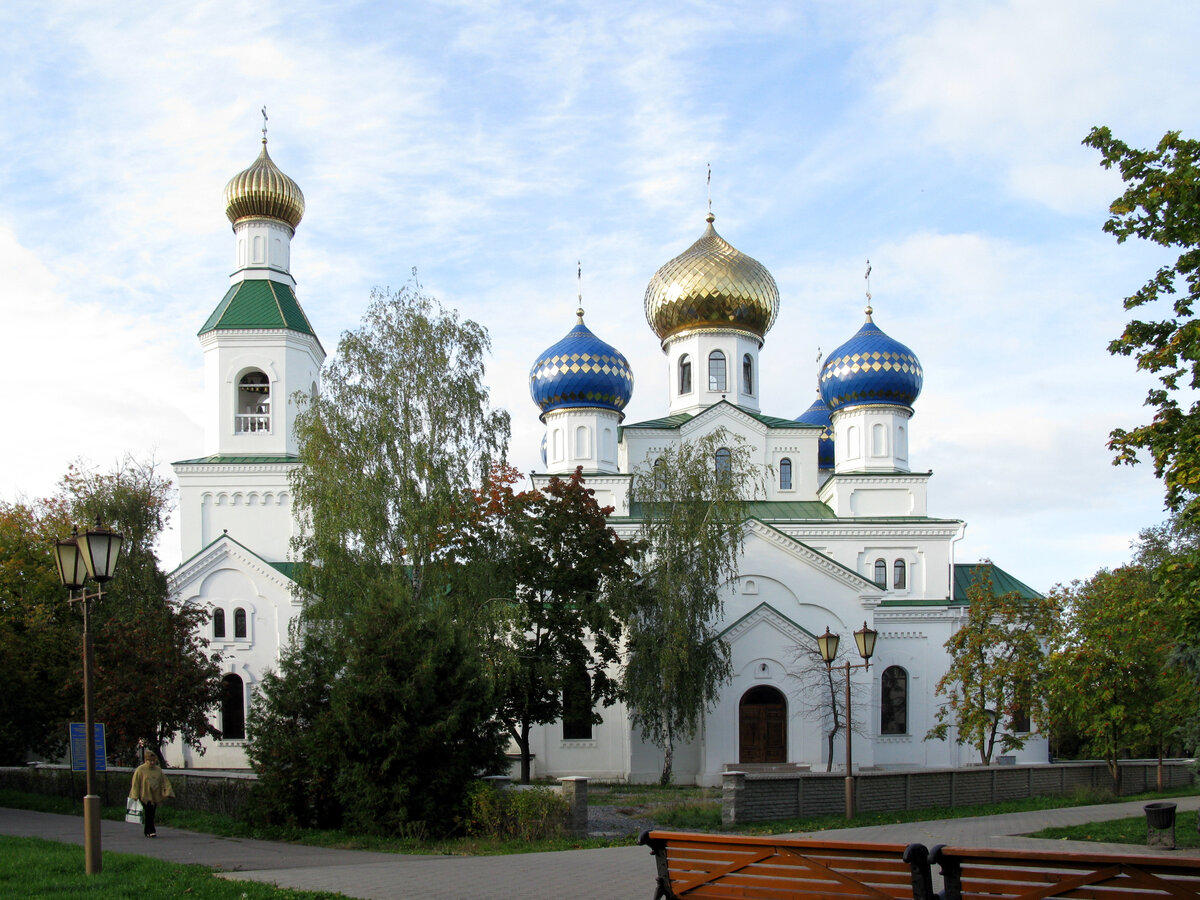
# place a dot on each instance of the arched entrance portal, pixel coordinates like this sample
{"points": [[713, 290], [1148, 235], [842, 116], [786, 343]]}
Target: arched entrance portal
{"points": [[762, 726]]}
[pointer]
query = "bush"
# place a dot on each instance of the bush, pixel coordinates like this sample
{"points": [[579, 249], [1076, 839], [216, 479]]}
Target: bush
{"points": [[528, 814]]}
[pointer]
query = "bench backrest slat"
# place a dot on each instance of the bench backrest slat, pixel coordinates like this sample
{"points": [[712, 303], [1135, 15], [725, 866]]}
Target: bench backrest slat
{"points": [[726, 866], [1041, 875]]}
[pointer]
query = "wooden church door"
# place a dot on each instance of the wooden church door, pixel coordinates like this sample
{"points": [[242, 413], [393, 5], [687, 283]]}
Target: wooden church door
{"points": [[762, 726]]}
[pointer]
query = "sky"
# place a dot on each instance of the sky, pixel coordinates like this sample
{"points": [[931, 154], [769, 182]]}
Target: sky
{"points": [[492, 145]]}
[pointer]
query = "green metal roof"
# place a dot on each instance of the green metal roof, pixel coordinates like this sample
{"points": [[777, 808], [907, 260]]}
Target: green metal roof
{"points": [[680, 418], [218, 460], [260, 303], [765, 510], [287, 569], [1002, 583]]}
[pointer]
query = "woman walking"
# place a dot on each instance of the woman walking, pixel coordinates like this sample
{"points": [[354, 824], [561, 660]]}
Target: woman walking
{"points": [[150, 786]]}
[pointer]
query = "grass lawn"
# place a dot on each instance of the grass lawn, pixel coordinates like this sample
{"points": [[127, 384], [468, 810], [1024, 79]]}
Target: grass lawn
{"points": [[32, 867], [1124, 831]]}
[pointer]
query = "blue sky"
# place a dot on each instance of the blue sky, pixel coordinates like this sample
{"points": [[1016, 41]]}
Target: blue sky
{"points": [[491, 145]]}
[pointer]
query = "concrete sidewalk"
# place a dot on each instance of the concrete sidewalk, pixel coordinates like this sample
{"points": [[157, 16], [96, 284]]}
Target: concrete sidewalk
{"points": [[617, 873]]}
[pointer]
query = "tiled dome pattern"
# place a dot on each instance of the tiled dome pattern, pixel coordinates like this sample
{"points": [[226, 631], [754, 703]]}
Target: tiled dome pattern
{"points": [[581, 370], [818, 414], [712, 284], [870, 368], [263, 191]]}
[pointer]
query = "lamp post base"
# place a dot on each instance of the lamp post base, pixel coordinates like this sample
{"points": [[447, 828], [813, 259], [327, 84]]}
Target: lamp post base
{"points": [[91, 833]]}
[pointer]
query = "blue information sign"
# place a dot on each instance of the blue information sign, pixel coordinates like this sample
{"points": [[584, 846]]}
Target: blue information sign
{"points": [[79, 747]]}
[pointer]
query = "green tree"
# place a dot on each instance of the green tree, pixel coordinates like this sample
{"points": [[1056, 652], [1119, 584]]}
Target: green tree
{"points": [[399, 701], [997, 661], [556, 563], [389, 450], [1111, 678], [154, 677], [1161, 204], [691, 504], [39, 634]]}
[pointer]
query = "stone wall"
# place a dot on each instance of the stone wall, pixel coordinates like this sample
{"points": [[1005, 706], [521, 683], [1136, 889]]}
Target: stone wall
{"points": [[224, 793], [760, 797]]}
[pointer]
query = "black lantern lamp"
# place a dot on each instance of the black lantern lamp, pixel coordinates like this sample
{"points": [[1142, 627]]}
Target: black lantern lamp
{"points": [[94, 555]]}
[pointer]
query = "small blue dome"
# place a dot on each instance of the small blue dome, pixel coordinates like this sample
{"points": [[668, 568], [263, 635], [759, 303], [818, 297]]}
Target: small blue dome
{"points": [[870, 368], [818, 414], [580, 371]]}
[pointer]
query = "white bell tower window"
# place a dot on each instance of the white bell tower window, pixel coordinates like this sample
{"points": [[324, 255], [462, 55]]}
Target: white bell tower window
{"points": [[253, 406], [716, 371], [747, 375], [685, 374]]}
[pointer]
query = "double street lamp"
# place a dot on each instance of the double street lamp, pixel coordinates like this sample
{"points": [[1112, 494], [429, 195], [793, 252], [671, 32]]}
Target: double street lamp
{"points": [[93, 555], [827, 644]]}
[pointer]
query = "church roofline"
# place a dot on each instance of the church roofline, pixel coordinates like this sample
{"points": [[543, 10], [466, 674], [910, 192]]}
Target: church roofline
{"points": [[219, 460], [759, 611], [206, 554], [678, 420]]}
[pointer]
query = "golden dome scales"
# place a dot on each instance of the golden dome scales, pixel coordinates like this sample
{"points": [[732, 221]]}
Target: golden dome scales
{"points": [[263, 191], [712, 285]]}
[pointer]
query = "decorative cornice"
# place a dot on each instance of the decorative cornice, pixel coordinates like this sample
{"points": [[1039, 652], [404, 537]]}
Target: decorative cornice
{"points": [[220, 551], [765, 612], [860, 584]]}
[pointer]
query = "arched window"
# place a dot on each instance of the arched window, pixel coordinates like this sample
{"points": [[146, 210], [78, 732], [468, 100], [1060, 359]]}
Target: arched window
{"points": [[724, 464], [852, 448], [685, 374], [218, 623], [660, 476], [253, 412], [716, 371], [239, 623], [747, 374], [233, 708], [899, 575], [893, 701], [583, 441], [577, 705], [785, 474], [881, 573]]}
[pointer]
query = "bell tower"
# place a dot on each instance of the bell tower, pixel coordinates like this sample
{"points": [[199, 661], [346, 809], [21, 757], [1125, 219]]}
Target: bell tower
{"points": [[260, 351]]}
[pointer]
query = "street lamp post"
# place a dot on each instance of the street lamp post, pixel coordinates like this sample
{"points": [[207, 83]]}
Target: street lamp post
{"points": [[92, 554], [827, 644]]}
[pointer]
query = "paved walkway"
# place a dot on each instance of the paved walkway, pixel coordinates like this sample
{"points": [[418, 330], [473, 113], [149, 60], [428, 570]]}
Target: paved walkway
{"points": [[617, 873]]}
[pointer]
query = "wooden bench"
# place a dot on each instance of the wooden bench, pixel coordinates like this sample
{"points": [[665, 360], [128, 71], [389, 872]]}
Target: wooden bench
{"points": [[1043, 874], [726, 866]]}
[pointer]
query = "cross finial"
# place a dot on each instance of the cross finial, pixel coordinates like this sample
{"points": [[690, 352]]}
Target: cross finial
{"points": [[868, 278], [264, 115], [579, 278], [710, 215]]}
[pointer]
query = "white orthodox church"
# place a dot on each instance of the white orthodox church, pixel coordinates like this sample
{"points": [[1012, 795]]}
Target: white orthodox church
{"points": [[842, 536]]}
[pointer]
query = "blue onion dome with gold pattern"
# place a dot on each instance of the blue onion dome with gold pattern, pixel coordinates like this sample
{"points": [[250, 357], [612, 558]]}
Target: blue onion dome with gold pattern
{"points": [[581, 371], [870, 369], [818, 414], [712, 285], [263, 192]]}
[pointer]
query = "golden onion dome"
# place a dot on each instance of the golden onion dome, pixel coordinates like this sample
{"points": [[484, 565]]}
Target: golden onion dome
{"points": [[712, 285], [263, 191]]}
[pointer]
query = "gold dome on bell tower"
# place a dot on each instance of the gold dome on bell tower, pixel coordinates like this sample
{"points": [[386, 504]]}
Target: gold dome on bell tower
{"points": [[712, 285], [263, 192]]}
